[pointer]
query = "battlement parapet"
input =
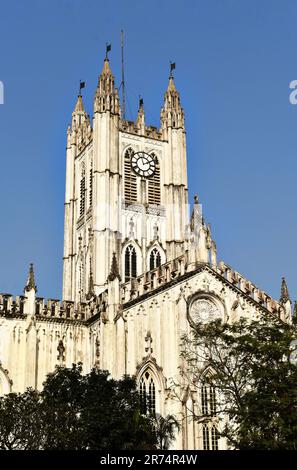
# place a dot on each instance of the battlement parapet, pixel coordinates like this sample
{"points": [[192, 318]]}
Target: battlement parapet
{"points": [[132, 127], [53, 308]]}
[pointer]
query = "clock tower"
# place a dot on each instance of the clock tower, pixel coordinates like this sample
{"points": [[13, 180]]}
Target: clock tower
{"points": [[126, 191]]}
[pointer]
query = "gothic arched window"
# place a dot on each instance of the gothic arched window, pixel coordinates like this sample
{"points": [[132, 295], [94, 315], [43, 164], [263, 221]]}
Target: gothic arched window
{"points": [[82, 191], [155, 259], [210, 436], [130, 263], [204, 400], [205, 432], [210, 432], [154, 185], [208, 400], [147, 391], [214, 438], [130, 181]]}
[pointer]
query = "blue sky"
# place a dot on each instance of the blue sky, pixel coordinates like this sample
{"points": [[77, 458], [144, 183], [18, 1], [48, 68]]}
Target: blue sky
{"points": [[234, 62]]}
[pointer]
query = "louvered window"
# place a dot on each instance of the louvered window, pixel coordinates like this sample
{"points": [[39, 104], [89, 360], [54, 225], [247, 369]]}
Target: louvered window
{"points": [[154, 186], [130, 179], [82, 194]]}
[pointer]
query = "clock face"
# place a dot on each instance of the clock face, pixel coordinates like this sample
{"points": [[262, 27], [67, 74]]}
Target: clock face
{"points": [[143, 164]]}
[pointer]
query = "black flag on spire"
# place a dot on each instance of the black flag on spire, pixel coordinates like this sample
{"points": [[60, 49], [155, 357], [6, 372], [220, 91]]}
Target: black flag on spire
{"points": [[108, 49], [81, 86]]}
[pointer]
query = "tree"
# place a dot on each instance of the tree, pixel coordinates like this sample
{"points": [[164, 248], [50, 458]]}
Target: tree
{"points": [[76, 411], [93, 412], [249, 367], [63, 398], [165, 429], [20, 423]]}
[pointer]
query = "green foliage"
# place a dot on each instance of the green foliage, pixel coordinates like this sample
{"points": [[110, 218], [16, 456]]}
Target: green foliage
{"points": [[76, 411], [250, 365], [165, 428], [20, 423]]}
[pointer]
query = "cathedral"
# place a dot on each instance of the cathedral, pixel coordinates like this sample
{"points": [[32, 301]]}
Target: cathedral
{"points": [[138, 268]]}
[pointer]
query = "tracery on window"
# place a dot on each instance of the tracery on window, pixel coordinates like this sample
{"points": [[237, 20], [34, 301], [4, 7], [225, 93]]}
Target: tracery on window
{"points": [[210, 434], [147, 391], [130, 263], [208, 400], [155, 258]]}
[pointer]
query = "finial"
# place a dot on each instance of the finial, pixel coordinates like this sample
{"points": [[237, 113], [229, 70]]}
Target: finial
{"points": [[31, 280], [79, 107], [285, 297], [196, 200], [114, 270], [140, 102], [171, 85]]}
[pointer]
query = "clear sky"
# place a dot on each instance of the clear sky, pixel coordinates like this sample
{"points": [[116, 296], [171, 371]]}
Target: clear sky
{"points": [[234, 62]]}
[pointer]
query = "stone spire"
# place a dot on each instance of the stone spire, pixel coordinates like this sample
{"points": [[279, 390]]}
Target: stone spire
{"points": [[79, 115], [80, 131], [285, 297], [79, 107], [31, 280], [172, 114], [114, 270], [106, 96]]}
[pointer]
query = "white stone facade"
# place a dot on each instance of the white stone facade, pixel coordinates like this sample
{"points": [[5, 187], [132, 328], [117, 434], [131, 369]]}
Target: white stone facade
{"points": [[137, 270]]}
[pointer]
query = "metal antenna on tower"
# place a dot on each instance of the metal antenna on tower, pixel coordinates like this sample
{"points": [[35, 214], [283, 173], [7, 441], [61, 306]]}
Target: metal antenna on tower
{"points": [[123, 77]]}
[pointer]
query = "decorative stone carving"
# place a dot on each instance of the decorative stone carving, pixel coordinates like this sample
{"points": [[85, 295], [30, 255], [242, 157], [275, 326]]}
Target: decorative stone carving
{"points": [[149, 341], [61, 351]]}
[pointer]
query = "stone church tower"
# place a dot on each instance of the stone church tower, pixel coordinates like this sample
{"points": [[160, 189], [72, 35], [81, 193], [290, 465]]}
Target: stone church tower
{"points": [[138, 271], [137, 209]]}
